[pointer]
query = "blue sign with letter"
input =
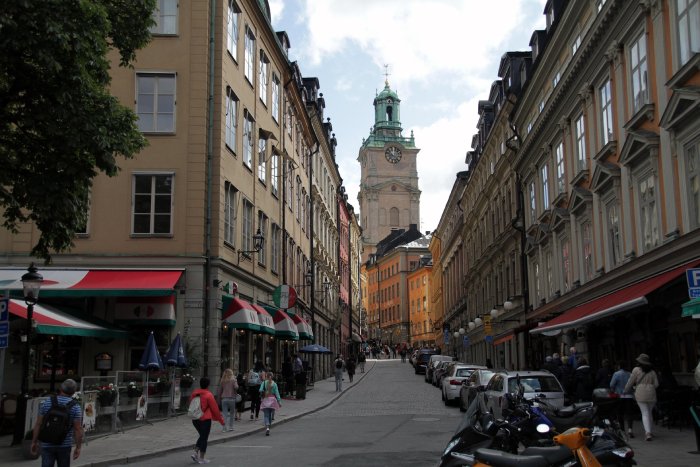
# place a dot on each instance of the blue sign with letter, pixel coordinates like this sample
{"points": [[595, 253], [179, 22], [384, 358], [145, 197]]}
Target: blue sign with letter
{"points": [[4, 310], [693, 276], [447, 337], [3, 342], [4, 328]]}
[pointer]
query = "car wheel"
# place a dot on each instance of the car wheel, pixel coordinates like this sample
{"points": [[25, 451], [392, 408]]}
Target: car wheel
{"points": [[442, 395], [445, 399]]}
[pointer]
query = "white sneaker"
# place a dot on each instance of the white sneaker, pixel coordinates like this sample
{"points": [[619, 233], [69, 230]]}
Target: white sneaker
{"points": [[204, 461]]}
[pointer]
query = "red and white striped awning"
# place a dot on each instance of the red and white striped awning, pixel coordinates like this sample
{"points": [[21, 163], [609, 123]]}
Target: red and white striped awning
{"points": [[284, 325], [267, 325], [240, 314], [303, 328], [97, 282]]}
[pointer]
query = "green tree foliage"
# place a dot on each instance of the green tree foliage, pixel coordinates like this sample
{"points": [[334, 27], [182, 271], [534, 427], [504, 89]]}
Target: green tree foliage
{"points": [[59, 126]]}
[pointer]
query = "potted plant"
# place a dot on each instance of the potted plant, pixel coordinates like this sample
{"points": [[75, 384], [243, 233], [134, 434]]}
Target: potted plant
{"points": [[186, 381], [106, 395], [133, 391], [162, 385]]}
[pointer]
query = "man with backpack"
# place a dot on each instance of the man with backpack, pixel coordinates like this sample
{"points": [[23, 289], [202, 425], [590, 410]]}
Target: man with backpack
{"points": [[339, 367], [59, 423]]}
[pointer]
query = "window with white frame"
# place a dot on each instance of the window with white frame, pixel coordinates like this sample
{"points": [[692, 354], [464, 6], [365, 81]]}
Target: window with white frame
{"points": [[152, 204], [692, 169], [575, 44], [559, 160], [249, 63], [232, 21], [600, 4], [231, 118], [165, 17], [298, 210], [248, 139], [537, 279], [263, 73], [275, 97], [289, 118], [580, 135], [587, 250], [648, 215], [688, 25], [275, 243], [155, 102], [262, 226], [274, 173], [290, 186], [548, 271], [247, 227], [638, 70], [606, 122], [556, 79], [533, 206], [230, 213], [613, 230], [545, 187], [262, 160], [565, 263]]}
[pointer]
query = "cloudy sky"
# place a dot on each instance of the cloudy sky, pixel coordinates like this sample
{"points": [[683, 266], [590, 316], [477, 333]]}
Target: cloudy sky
{"points": [[443, 56]]}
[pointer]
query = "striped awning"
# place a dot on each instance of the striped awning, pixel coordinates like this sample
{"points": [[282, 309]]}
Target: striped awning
{"points": [[51, 320], [304, 329], [284, 325], [96, 282], [267, 325], [240, 314]]}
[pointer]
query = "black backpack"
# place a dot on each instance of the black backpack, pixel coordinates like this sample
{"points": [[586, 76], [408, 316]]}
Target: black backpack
{"points": [[339, 363], [56, 423]]}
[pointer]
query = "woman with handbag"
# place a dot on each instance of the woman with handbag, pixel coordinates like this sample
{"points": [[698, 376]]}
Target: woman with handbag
{"points": [[270, 400], [644, 382], [228, 391]]}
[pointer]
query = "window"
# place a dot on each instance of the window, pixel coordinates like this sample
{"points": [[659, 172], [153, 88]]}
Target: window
{"points": [[289, 117], [600, 4], [614, 245], [587, 250], [606, 126], [556, 79], [394, 217], [248, 139], [638, 66], [580, 134], [688, 19], [230, 213], [152, 202], [533, 207], [262, 160], [545, 187], [274, 174], [559, 158], [298, 210], [262, 226], [290, 186], [538, 283], [548, 272], [247, 227], [692, 155], [165, 17], [231, 121], [276, 98], [576, 44], [232, 28], [275, 242], [540, 106], [566, 264], [262, 78], [648, 217], [249, 64], [155, 102]]}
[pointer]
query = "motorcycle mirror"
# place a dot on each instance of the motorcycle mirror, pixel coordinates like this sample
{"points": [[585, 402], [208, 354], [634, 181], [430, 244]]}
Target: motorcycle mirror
{"points": [[542, 428]]}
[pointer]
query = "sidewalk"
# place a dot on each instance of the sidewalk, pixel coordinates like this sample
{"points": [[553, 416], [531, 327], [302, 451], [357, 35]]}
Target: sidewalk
{"points": [[178, 434]]}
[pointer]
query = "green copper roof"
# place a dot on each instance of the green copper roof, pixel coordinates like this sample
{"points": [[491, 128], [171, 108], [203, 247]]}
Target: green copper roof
{"points": [[387, 92]]}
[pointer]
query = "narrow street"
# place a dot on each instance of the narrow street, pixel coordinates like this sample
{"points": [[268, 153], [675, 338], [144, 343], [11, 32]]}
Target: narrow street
{"points": [[391, 417]]}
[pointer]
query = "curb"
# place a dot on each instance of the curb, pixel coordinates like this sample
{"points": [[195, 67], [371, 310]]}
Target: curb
{"points": [[150, 455]]}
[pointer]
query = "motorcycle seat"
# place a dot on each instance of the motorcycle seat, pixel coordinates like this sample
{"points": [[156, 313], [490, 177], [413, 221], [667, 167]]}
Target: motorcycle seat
{"points": [[554, 454], [505, 459], [569, 410]]}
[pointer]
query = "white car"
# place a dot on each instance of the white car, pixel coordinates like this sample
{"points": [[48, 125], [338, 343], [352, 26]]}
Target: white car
{"points": [[452, 380], [541, 384]]}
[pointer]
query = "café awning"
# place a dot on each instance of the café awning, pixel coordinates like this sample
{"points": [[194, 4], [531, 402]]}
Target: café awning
{"points": [[146, 310], [96, 282], [284, 325], [240, 314], [53, 321], [615, 302], [303, 328], [267, 325]]}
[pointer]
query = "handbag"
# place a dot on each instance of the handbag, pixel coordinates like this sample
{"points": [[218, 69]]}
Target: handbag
{"points": [[239, 398]]}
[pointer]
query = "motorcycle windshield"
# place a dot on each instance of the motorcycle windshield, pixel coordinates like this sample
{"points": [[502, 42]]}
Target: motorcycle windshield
{"points": [[472, 416]]}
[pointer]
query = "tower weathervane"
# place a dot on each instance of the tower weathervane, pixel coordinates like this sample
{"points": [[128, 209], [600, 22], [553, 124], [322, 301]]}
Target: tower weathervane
{"points": [[386, 74]]}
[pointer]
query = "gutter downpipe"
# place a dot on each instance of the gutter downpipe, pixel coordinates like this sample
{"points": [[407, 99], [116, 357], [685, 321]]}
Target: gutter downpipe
{"points": [[210, 148]]}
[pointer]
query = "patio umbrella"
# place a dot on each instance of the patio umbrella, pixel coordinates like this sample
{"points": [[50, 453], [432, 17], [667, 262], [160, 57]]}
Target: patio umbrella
{"points": [[314, 348], [150, 360], [176, 353]]}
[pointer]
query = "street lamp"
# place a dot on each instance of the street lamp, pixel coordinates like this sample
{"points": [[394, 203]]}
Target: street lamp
{"points": [[258, 243], [31, 283]]}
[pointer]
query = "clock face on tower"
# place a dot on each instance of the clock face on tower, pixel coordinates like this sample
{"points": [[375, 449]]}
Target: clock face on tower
{"points": [[393, 154]]}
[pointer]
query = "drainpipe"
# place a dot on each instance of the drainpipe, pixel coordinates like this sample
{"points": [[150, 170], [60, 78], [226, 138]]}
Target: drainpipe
{"points": [[210, 149]]}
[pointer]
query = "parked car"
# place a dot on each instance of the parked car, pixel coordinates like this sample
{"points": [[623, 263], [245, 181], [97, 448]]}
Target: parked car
{"points": [[452, 380], [422, 360], [438, 372], [412, 358], [542, 384], [432, 363], [471, 386]]}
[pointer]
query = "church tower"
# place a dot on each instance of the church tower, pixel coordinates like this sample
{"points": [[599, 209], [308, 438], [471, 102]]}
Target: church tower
{"points": [[389, 196]]}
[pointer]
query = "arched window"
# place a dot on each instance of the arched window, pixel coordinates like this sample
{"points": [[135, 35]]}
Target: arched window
{"points": [[394, 217]]}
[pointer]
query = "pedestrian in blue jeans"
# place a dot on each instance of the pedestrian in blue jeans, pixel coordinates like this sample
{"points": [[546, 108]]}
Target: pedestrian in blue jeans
{"points": [[59, 454], [210, 411]]}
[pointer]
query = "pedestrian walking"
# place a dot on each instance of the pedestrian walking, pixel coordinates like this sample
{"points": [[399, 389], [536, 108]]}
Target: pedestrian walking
{"points": [[339, 367], [625, 408], [210, 411], [583, 377], [255, 378], [228, 391], [288, 376], [299, 375], [644, 382], [361, 361], [403, 354], [240, 401], [350, 367], [56, 445], [573, 360], [603, 375], [270, 400]]}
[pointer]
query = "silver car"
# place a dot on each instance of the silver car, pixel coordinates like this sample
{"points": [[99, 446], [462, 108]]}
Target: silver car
{"points": [[471, 387], [541, 384], [452, 380]]}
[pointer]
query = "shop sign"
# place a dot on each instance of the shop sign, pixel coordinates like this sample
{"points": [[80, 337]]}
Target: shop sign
{"points": [[693, 277], [4, 322]]}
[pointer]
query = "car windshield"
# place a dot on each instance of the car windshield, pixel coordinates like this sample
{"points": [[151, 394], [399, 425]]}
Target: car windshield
{"points": [[486, 376], [535, 384], [463, 372]]}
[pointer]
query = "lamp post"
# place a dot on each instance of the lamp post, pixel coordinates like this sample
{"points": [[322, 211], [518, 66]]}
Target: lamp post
{"points": [[31, 283], [258, 243]]}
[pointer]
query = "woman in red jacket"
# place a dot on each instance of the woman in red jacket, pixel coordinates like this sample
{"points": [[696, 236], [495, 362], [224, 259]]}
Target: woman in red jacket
{"points": [[210, 411]]}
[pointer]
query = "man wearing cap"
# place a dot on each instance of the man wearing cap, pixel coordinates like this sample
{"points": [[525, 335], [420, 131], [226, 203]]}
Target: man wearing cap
{"points": [[60, 453]]}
